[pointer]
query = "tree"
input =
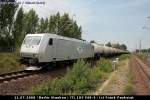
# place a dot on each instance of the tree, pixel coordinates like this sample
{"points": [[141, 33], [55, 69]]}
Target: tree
{"points": [[92, 41], [117, 46], [63, 25], [74, 31], [6, 16], [108, 44], [51, 25], [43, 25], [18, 28], [30, 22], [40, 25], [123, 47], [46, 25], [7, 12], [54, 23]]}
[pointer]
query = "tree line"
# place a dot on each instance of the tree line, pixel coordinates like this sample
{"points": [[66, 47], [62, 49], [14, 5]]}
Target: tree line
{"points": [[114, 45], [143, 50], [117, 46], [15, 24]]}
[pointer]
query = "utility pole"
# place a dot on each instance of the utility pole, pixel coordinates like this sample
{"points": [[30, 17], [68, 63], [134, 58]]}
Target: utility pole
{"points": [[147, 28], [140, 47]]}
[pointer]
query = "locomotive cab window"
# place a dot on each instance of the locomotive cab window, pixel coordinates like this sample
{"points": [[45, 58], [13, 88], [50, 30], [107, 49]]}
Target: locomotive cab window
{"points": [[50, 41]]}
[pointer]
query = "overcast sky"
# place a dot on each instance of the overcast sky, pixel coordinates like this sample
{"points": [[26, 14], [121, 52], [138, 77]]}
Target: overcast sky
{"points": [[103, 20]]}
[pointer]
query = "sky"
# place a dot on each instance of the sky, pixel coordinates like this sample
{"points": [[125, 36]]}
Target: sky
{"points": [[116, 21]]}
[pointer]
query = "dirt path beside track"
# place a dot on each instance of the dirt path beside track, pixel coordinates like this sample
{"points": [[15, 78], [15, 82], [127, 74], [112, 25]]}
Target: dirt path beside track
{"points": [[117, 81]]}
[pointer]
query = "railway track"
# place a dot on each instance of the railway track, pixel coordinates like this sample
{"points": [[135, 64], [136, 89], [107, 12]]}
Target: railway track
{"points": [[24, 73], [141, 76], [145, 60], [145, 68], [14, 75], [144, 74], [32, 78]]}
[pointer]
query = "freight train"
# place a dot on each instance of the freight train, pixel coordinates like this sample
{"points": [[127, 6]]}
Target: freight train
{"points": [[38, 50]]}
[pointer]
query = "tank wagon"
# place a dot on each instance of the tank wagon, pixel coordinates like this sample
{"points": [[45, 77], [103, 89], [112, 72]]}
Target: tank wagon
{"points": [[101, 50], [42, 49]]}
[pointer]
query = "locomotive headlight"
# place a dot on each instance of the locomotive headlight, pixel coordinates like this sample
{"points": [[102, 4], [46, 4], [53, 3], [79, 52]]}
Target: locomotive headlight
{"points": [[35, 55]]}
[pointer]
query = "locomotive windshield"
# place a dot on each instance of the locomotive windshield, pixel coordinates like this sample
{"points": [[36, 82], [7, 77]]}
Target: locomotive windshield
{"points": [[32, 40]]}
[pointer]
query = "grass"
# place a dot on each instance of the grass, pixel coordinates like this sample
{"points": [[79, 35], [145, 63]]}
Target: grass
{"points": [[81, 79], [8, 63], [105, 65], [129, 88], [124, 56], [144, 56]]}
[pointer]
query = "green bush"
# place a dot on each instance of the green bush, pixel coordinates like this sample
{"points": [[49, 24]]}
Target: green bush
{"points": [[124, 56], [105, 65], [78, 80]]}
